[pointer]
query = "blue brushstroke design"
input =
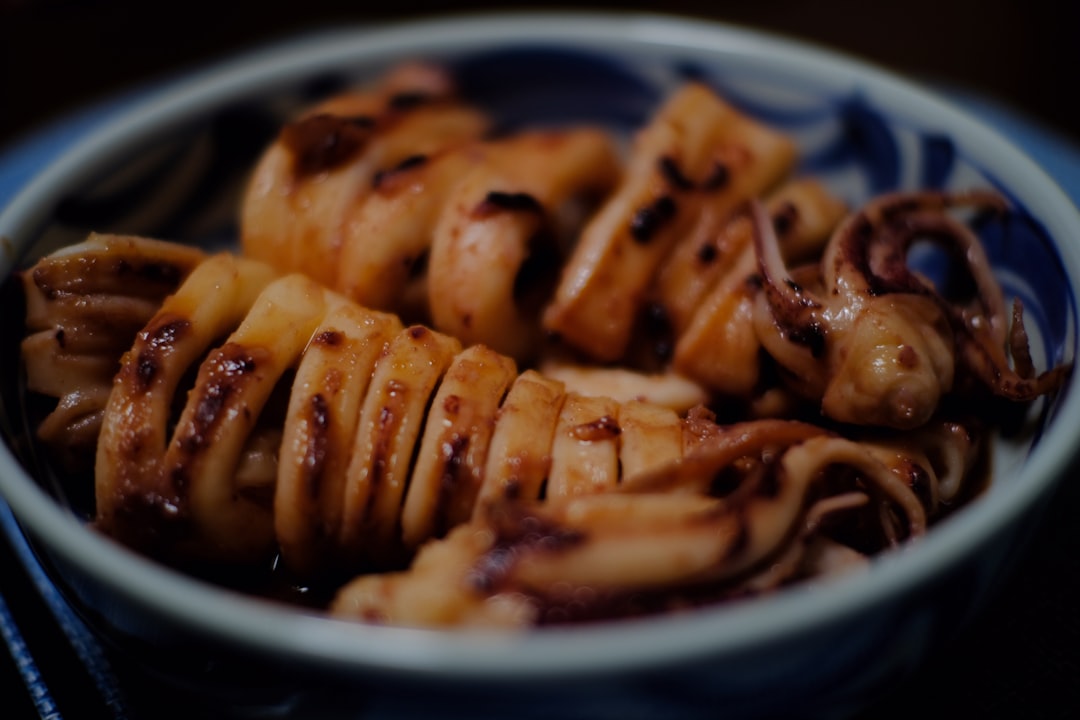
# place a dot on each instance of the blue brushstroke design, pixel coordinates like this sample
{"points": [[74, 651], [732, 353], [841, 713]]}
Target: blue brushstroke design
{"points": [[871, 143], [1021, 243], [864, 141], [529, 86], [769, 112], [939, 158]]}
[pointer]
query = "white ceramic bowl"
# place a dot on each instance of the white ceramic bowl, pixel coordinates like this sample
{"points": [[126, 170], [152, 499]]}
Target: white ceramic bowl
{"points": [[168, 162]]}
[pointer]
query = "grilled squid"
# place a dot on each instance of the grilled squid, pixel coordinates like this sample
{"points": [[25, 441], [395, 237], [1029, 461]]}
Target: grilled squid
{"points": [[696, 152], [396, 197], [496, 248], [255, 414], [541, 235], [299, 210], [707, 292], [754, 506], [454, 378], [872, 340], [258, 415], [84, 308]]}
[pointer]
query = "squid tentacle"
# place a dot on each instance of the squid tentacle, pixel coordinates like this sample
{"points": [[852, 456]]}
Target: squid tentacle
{"points": [[878, 330]]}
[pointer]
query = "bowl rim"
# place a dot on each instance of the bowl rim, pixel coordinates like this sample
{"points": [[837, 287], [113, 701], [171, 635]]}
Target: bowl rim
{"points": [[579, 652]]}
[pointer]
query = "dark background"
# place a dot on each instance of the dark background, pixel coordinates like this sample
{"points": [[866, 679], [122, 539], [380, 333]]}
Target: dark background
{"points": [[56, 55], [1021, 658]]}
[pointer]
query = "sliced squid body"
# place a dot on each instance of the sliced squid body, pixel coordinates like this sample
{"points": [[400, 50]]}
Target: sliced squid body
{"points": [[84, 306], [388, 236], [449, 471], [286, 403], [520, 454], [298, 211], [147, 480], [667, 389], [711, 304], [232, 388], [343, 439], [696, 152], [332, 380], [516, 561], [585, 449], [256, 413], [496, 248], [804, 214], [391, 422]]}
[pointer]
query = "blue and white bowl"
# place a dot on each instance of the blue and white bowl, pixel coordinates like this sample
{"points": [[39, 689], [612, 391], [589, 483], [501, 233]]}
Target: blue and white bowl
{"points": [[170, 161]]}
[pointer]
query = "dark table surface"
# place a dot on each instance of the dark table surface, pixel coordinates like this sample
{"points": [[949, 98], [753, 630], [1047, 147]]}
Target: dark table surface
{"points": [[1019, 659], [57, 55]]}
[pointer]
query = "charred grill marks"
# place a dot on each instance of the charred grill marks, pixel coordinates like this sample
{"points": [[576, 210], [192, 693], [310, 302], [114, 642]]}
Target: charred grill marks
{"points": [[647, 221], [669, 169], [453, 453], [158, 341], [519, 533], [404, 101], [672, 173], [497, 201], [383, 177], [324, 142], [232, 367], [315, 453], [603, 428], [718, 178]]}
